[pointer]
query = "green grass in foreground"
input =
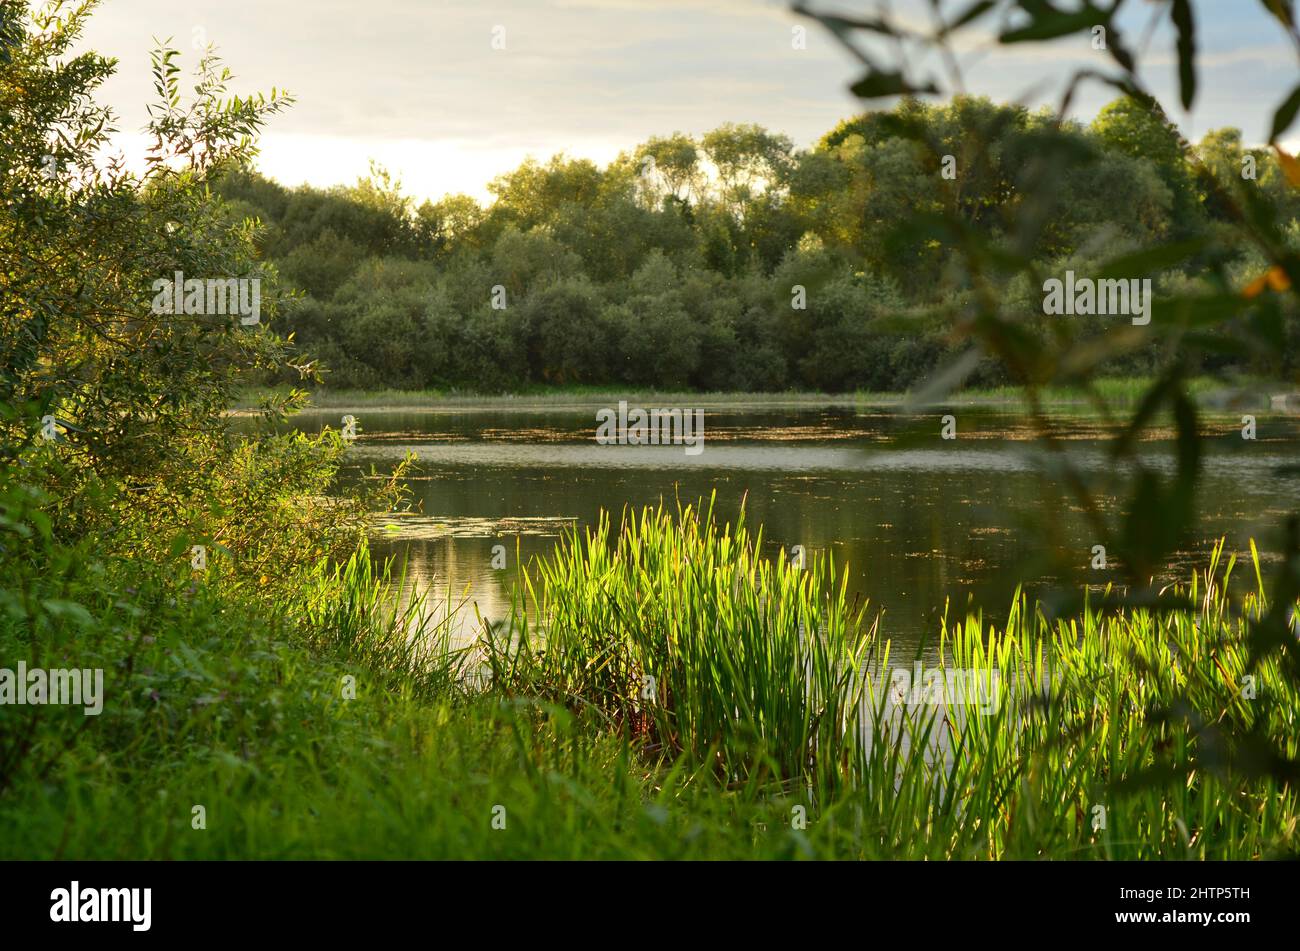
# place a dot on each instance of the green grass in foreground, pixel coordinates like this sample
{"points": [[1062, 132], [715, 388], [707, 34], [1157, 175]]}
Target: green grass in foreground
{"points": [[763, 674]]}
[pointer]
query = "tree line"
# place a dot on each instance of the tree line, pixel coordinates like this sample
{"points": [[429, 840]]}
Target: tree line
{"points": [[734, 261]]}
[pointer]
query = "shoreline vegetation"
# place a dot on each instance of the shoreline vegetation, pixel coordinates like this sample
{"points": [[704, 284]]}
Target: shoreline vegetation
{"points": [[266, 696], [1211, 393], [734, 261], [323, 731]]}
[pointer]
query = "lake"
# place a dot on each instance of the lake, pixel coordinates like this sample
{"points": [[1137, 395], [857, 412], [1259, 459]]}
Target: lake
{"points": [[918, 520]]}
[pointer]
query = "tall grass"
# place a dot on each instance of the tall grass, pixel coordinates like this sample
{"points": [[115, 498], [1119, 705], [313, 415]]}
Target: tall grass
{"points": [[676, 629], [1097, 747], [769, 679], [354, 612], [771, 703]]}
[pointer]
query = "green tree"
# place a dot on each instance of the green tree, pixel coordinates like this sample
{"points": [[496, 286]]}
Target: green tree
{"points": [[1143, 131], [746, 157], [84, 243]]}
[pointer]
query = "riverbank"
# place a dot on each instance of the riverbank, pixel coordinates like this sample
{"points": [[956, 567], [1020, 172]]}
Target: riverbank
{"points": [[1246, 395], [312, 729]]}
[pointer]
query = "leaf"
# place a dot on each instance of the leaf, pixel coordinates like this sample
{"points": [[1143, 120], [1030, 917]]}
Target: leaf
{"points": [[1188, 441], [842, 25], [1290, 167], [69, 610], [1285, 115], [1282, 10], [1050, 25], [974, 11], [878, 83], [1147, 524], [1198, 310], [1162, 390], [1275, 278], [947, 379], [1182, 17], [1150, 260]]}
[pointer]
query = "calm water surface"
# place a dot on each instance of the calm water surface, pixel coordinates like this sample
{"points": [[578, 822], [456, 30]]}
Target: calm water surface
{"points": [[917, 520]]}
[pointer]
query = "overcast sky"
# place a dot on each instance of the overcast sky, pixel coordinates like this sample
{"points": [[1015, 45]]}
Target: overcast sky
{"points": [[418, 86]]}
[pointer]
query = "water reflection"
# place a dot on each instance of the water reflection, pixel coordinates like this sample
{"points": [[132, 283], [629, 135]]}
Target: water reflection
{"points": [[919, 521]]}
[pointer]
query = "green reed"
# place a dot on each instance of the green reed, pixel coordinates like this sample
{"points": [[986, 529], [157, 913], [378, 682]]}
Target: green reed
{"points": [[679, 634]]}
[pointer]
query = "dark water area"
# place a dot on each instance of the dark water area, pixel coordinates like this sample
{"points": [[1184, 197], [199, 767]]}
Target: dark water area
{"points": [[917, 520]]}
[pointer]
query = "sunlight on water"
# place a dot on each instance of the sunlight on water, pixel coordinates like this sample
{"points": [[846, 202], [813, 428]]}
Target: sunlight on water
{"points": [[917, 520]]}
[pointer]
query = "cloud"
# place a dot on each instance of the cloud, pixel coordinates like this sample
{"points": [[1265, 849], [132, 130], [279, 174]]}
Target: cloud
{"points": [[604, 72]]}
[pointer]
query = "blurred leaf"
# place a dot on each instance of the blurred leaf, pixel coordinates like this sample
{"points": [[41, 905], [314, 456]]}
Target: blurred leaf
{"points": [[844, 25], [1186, 26], [1284, 116], [1290, 167], [1273, 279], [1159, 393], [1151, 260], [947, 379], [1189, 440], [971, 13], [1048, 23], [879, 83], [1283, 10], [68, 611], [1198, 310]]}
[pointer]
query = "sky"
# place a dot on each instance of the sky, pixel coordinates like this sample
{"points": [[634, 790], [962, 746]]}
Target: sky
{"points": [[422, 87]]}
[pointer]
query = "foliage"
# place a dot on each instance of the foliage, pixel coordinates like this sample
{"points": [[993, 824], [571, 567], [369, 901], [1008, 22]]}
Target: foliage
{"points": [[765, 675], [131, 506], [739, 215], [1211, 315], [230, 684]]}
